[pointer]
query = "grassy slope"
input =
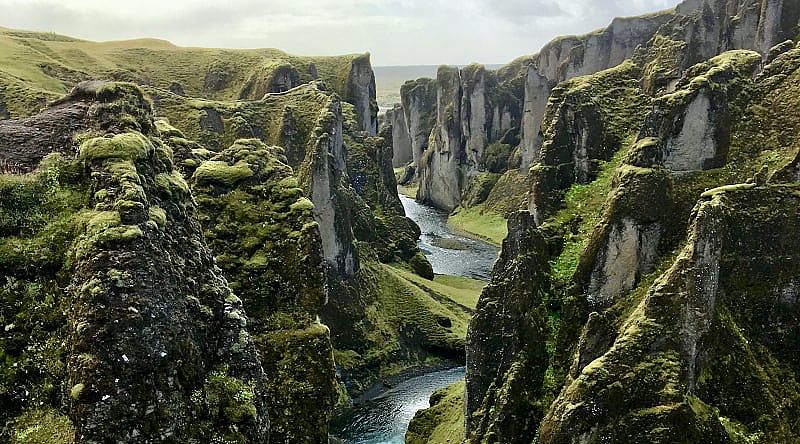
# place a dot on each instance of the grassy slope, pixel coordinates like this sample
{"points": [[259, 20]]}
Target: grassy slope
{"points": [[461, 290], [443, 423], [483, 224], [42, 62]]}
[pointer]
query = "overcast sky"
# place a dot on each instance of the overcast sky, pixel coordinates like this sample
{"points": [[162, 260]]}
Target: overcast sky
{"points": [[396, 32]]}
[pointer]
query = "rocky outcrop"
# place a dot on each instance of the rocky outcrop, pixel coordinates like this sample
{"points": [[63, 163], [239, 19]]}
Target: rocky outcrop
{"points": [[270, 78], [261, 228], [419, 104], [403, 153], [506, 340], [441, 176], [646, 296], [663, 45], [701, 30], [360, 93], [475, 107], [690, 327], [587, 120], [142, 338], [689, 130]]}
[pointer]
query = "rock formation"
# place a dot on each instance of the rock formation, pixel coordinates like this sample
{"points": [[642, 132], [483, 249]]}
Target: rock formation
{"points": [[402, 151], [291, 194], [616, 314], [117, 323], [664, 45]]}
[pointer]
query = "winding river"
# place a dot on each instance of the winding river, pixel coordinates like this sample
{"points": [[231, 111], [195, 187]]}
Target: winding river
{"points": [[385, 419]]}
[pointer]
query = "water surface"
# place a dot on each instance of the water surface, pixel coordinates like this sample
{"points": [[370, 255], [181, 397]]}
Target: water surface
{"points": [[474, 262]]}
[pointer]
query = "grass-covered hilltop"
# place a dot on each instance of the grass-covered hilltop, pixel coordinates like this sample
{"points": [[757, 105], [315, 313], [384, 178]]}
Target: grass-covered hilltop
{"points": [[201, 245], [208, 245], [647, 291]]}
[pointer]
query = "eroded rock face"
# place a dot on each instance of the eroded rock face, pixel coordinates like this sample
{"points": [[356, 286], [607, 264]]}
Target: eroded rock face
{"points": [[270, 78], [146, 339], [641, 331], [402, 149], [586, 121], [692, 125], [475, 107], [690, 327], [278, 271], [328, 167], [537, 93], [419, 105], [441, 176], [506, 339], [361, 93]]}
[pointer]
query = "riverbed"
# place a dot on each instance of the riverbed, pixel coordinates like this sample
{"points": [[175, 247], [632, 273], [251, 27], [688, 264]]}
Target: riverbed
{"points": [[472, 258], [385, 419]]}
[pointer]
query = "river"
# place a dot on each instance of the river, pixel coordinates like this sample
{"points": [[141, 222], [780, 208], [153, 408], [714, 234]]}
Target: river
{"points": [[472, 258], [385, 419]]}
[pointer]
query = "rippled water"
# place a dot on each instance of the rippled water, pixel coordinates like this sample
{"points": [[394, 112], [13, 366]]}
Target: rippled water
{"points": [[475, 261], [384, 420]]}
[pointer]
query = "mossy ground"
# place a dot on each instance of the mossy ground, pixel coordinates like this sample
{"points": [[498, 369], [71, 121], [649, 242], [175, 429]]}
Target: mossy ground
{"points": [[479, 222], [461, 290], [443, 422]]}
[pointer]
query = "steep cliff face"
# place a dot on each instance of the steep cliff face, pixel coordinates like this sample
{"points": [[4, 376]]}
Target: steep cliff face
{"points": [[118, 325], [441, 176], [262, 231], [587, 120], [663, 45], [474, 108], [349, 178], [361, 93], [650, 283], [402, 150], [419, 104]]}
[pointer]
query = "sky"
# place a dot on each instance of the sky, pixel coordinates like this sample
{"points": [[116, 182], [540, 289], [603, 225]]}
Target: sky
{"points": [[395, 32]]}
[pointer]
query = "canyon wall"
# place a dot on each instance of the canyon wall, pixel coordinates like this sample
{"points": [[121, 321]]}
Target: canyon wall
{"points": [[515, 97], [652, 267]]}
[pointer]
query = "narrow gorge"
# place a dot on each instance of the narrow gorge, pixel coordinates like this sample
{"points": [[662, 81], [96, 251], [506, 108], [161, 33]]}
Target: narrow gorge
{"points": [[596, 243]]}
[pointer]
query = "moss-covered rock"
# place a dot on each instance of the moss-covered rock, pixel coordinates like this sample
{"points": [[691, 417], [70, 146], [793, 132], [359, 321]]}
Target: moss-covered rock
{"points": [[262, 231], [587, 120], [116, 320], [419, 263], [443, 422]]}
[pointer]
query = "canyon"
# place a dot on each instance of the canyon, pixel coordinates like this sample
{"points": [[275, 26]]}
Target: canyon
{"points": [[212, 245]]}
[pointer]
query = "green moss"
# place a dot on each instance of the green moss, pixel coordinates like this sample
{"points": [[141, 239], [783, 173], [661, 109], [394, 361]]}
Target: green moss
{"points": [[128, 146], [227, 397], [222, 173], [419, 263], [480, 222], [158, 216], [43, 427], [583, 208], [443, 422], [461, 290]]}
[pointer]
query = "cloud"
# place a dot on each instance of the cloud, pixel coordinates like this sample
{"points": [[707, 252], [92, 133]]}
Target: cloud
{"points": [[520, 11]]}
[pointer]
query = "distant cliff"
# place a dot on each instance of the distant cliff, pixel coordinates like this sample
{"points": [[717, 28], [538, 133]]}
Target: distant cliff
{"points": [[476, 108]]}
